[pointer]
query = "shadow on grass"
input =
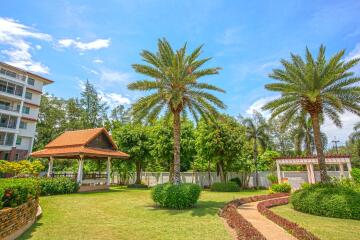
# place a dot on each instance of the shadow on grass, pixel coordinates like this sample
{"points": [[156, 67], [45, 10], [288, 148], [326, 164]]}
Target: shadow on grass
{"points": [[28, 234], [202, 208]]}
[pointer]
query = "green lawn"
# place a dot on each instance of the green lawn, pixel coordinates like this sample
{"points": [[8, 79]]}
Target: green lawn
{"points": [[323, 227], [129, 214]]}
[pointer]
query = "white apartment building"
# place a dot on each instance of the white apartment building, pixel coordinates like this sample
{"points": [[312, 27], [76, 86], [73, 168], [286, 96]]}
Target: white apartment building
{"points": [[20, 95]]}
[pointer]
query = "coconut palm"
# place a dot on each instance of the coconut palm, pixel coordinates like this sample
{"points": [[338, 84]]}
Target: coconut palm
{"points": [[318, 87], [175, 89], [255, 129]]}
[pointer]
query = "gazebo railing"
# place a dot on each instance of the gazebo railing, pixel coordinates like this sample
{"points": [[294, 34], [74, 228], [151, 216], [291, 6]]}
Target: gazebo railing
{"points": [[74, 175]]}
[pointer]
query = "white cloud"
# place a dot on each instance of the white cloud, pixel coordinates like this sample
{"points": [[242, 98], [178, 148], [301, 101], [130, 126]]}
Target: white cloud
{"points": [[84, 46], [355, 53], [14, 35], [98, 61], [230, 36], [258, 104], [90, 70], [108, 76], [114, 99]]}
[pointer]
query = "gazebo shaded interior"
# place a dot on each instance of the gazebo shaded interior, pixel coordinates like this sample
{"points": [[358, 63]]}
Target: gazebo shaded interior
{"points": [[80, 145]]}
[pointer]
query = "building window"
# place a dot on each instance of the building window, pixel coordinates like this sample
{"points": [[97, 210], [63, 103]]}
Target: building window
{"points": [[17, 157], [23, 125], [26, 110], [28, 95], [6, 156], [9, 139], [18, 140], [31, 81]]}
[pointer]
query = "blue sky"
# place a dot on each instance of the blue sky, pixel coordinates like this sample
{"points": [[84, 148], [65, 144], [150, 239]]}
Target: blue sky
{"points": [[71, 41]]}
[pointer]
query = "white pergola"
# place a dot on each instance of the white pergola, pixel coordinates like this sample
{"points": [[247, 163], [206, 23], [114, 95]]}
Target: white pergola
{"points": [[310, 161]]}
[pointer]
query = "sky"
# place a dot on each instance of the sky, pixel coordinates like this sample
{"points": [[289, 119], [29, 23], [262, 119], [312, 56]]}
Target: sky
{"points": [[72, 41]]}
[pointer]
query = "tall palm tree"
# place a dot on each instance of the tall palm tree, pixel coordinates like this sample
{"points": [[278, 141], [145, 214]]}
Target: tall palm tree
{"points": [[316, 86], [175, 89], [255, 129]]}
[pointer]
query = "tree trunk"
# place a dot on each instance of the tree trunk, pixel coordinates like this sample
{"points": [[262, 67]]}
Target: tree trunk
{"points": [[177, 128], [171, 171], [256, 163], [221, 171], [308, 144], [138, 173], [298, 149], [319, 149], [209, 172]]}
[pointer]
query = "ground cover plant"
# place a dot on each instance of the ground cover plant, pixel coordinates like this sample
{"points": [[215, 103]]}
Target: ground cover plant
{"points": [[59, 185], [225, 187], [281, 187]]}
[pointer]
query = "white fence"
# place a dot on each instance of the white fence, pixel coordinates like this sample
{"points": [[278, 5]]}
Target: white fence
{"points": [[295, 178]]}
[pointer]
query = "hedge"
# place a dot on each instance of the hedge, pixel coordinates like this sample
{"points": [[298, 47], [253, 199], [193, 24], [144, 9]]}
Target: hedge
{"points": [[59, 185], [281, 187], [331, 200], [225, 187], [176, 196], [355, 173], [16, 191]]}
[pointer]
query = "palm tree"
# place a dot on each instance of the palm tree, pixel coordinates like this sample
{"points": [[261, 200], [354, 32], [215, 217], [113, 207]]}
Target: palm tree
{"points": [[175, 89], [315, 86], [256, 132]]}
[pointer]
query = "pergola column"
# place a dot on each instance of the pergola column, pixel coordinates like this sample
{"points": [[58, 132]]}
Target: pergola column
{"points": [[348, 164], [341, 168], [80, 170], [50, 168], [308, 170], [278, 170], [312, 173], [108, 169]]}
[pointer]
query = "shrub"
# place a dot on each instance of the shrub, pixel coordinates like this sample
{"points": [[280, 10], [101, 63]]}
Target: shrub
{"points": [[135, 185], [338, 200], [236, 180], [16, 191], [60, 185], [272, 178], [225, 187], [176, 196], [281, 187], [355, 173], [22, 167]]}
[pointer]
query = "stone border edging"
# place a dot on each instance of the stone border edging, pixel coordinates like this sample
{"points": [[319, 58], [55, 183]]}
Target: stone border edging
{"points": [[293, 228], [244, 230]]}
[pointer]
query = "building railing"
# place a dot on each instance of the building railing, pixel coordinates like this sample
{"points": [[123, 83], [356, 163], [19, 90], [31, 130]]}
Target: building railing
{"points": [[9, 108], [85, 176]]}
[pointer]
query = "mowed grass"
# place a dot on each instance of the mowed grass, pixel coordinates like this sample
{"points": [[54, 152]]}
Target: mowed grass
{"points": [[323, 227], [122, 213]]}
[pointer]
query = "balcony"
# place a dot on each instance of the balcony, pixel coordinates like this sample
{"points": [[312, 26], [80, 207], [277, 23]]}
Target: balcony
{"points": [[11, 88], [13, 75], [6, 139], [9, 108]]}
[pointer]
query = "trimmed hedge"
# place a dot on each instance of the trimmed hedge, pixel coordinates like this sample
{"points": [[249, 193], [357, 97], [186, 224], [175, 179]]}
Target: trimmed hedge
{"points": [[225, 187], [180, 196], [281, 187], [331, 200], [16, 191], [355, 173], [59, 185], [236, 180]]}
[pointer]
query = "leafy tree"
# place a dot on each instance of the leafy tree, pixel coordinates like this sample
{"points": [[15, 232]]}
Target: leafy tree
{"points": [[162, 145], [134, 140], [121, 114], [256, 132], [74, 114], [315, 86], [220, 143], [94, 109], [280, 139], [175, 89], [51, 120]]}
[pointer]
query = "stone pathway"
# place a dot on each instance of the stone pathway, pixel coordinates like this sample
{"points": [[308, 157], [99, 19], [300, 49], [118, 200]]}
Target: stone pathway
{"points": [[269, 229]]}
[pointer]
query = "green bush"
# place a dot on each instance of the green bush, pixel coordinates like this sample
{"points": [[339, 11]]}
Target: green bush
{"points": [[136, 185], [340, 200], [236, 180], [225, 187], [355, 173], [16, 191], [272, 178], [59, 185], [176, 196], [281, 187]]}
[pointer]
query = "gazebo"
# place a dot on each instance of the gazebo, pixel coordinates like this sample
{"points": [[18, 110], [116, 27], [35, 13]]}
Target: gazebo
{"points": [[310, 161], [82, 144]]}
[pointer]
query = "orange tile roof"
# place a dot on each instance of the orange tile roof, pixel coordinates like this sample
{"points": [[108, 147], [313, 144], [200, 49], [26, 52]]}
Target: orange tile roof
{"points": [[78, 150], [72, 143]]}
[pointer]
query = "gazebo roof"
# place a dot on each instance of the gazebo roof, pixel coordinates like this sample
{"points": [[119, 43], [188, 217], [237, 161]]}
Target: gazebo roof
{"points": [[300, 160], [91, 143]]}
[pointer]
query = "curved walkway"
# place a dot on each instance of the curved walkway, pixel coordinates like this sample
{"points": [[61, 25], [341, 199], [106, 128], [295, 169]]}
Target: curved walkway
{"points": [[266, 227]]}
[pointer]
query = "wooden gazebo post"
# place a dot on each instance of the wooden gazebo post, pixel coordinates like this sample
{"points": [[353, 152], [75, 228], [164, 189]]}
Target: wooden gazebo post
{"points": [[108, 169], [50, 168], [80, 169]]}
